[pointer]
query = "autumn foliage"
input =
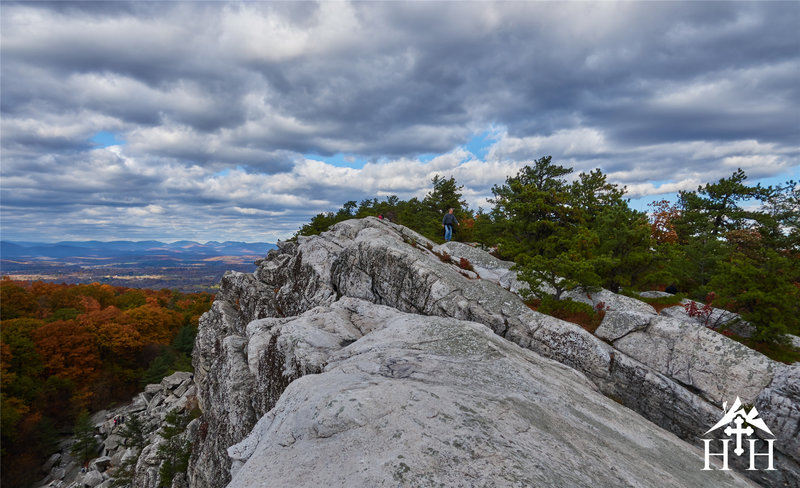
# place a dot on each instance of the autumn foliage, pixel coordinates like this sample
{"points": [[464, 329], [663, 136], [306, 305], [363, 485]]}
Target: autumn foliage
{"points": [[68, 348]]}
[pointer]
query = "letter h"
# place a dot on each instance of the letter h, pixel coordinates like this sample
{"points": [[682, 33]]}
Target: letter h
{"points": [[723, 454], [753, 454]]}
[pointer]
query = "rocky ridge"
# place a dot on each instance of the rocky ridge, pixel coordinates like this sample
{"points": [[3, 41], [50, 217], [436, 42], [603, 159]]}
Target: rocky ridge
{"points": [[345, 319], [150, 408]]}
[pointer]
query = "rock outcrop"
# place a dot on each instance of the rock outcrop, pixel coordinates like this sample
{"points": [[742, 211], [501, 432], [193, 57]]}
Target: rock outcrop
{"points": [[283, 346], [424, 401], [147, 411]]}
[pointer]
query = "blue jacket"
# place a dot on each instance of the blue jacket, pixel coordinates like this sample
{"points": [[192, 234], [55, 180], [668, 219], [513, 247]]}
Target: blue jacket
{"points": [[449, 219]]}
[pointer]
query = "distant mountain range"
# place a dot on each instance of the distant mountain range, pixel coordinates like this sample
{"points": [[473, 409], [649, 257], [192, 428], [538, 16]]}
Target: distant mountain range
{"points": [[184, 265], [182, 250]]}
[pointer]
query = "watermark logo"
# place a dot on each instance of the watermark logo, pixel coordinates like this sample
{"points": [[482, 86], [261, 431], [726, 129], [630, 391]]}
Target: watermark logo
{"points": [[744, 425]]}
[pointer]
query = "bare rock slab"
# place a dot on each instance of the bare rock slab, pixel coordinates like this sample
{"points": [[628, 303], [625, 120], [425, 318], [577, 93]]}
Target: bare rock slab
{"points": [[430, 401]]}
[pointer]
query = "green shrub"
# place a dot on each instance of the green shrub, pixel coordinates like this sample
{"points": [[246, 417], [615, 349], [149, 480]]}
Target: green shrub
{"points": [[576, 312]]}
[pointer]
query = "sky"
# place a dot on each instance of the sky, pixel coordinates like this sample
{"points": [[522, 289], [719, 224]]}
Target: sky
{"points": [[241, 120]]}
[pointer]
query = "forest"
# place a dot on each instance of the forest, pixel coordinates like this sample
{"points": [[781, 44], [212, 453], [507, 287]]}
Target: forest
{"points": [[72, 349], [726, 244]]}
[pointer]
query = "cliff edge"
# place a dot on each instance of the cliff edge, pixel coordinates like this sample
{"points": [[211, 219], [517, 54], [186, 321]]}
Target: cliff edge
{"points": [[366, 356]]}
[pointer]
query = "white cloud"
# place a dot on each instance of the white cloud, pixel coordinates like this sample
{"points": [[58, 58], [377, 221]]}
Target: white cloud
{"points": [[580, 141], [221, 105]]}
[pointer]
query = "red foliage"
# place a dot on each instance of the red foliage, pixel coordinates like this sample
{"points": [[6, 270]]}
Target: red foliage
{"points": [[662, 228], [67, 347], [67, 350], [704, 312]]}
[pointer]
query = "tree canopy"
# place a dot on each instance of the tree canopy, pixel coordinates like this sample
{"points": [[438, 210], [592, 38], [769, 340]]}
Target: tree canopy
{"points": [[566, 231], [73, 348]]}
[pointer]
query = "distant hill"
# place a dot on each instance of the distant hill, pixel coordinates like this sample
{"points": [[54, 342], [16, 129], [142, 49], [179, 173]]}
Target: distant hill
{"points": [[185, 265], [97, 249]]}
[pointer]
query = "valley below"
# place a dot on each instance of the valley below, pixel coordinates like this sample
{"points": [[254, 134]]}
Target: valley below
{"points": [[186, 266]]}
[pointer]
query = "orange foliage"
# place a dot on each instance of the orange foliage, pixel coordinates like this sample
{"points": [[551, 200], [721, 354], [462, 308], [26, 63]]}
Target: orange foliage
{"points": [[67, 347], [6, 377], [119, 339], [662, 218], [93, 320], [89, 304], [15, 300], [67, 350], [154, 323]]}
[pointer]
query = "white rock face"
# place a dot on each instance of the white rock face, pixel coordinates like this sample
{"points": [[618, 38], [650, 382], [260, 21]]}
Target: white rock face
{"points": [[439, 402], [289, 324], [92, 479], [779, 405], [700, 358]]}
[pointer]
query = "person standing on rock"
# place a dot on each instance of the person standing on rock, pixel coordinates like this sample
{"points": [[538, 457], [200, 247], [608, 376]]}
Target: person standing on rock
{"points": [[447, 222]]}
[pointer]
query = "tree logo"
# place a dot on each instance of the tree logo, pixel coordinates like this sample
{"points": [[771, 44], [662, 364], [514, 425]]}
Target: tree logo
{"points": [[744, 423]]}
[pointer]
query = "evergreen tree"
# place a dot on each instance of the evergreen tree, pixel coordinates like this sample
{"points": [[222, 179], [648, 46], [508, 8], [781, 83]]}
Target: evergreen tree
{"points": [[624, 250], [779, 221], [760, 284], [565, 235], [347, 211], [184, 340], [592, 195], [715, 209], [530, 210], [569, 264], [319, 223], [175, 451], [133, 432], [159, 367], [444, 195], [85, 447]]}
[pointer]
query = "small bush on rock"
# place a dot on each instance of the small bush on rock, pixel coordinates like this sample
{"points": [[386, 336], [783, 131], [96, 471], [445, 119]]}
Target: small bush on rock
{"points": [[576, 312]]}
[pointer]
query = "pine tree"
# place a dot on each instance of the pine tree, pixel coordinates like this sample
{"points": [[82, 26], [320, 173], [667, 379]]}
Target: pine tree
{"points": [[85, 447], [531, 208], [175, 450], [133, 432]]}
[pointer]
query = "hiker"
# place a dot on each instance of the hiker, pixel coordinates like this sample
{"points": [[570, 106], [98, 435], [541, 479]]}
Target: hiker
{"points": [[447, 222]]}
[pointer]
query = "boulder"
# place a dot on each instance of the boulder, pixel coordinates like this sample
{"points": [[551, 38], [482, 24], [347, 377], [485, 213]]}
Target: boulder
{"points": [[716, 367], [176, 379], [116, 459], [428, 401], [156, 401], [113, 441], [92, 478], [138, 404], [618, 324], [717, 318], [655, 294], [779, 406], [101, 464], [612, 302], [52, 461], [58, 473], [485, 265]]}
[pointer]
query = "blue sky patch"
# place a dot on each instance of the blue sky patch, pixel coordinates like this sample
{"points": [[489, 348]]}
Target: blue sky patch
{"points": [[479, 145], [105, 139], [339, 160]]}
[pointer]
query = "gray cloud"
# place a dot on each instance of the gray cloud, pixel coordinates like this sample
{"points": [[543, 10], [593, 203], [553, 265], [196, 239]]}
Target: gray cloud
{"points": [[219, 102]]}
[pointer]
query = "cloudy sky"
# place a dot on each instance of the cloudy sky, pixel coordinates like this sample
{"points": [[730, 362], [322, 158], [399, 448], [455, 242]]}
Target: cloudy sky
{"points": [[240, 120]]}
